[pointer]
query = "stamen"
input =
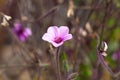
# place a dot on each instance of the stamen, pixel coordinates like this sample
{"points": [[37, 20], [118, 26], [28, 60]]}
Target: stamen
{"points": [[58, 39]]}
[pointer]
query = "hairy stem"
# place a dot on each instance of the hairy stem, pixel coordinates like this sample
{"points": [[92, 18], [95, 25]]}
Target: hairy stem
{"points": [[58, 64], [101, 59]]}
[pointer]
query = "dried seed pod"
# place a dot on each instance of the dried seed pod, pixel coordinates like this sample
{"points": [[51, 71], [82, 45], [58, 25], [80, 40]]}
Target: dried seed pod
{"points": [[104, 46]]}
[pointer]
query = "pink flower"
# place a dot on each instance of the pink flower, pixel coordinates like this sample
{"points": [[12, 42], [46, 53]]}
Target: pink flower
{"points": [[56, 35], [20, 32]]}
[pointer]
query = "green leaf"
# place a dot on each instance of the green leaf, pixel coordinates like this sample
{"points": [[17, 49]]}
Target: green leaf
{"points": [[111, 22], [117, 2], [64, 62], [78, 78], [85, 71], [113, 46]]}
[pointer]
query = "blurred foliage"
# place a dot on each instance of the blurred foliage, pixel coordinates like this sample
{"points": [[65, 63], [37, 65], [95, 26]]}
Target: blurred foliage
{"points": [[64, 62], [78, 55]]}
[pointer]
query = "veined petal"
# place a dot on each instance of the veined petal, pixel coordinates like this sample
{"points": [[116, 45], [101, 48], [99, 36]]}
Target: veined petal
{"points": [[56, 36], [48, 37], [63, 30], [56, 44], [53, 31], [67, 37]]}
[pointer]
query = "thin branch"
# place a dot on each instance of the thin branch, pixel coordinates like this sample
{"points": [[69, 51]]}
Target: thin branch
{"points": [[47, 13], [101, 59]]}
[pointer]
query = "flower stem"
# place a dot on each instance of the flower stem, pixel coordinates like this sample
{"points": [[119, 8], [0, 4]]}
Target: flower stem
{"points": [[101, 59], [58, 64]]}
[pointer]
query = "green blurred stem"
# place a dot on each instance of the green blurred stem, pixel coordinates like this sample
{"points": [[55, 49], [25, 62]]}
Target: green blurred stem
{"points": [[58, 63]]}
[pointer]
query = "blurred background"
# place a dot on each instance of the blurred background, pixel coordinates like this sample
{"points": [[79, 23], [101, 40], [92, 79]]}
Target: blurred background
{"points": [[34, 59]]}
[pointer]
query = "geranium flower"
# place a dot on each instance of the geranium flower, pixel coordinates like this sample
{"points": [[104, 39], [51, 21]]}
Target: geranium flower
{"points": [[21, 33], [57, 35]]}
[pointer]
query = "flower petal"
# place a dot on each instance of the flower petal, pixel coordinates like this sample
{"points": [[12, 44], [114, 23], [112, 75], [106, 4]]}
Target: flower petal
{"points": [[47, 37], [53, 31], [17, 26], [22, 38], [63, 30], [56, 36], [67, 37], [56, 44], [27, 32]]}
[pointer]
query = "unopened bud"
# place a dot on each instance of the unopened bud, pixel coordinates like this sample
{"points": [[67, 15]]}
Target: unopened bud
{"points": [[104, 46], [7, 17], [5, 20], [104, 54]]}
